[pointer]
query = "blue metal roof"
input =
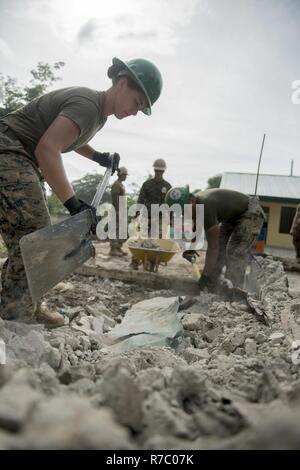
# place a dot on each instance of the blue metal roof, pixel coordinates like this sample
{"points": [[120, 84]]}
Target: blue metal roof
{"points": [[275, 186]]}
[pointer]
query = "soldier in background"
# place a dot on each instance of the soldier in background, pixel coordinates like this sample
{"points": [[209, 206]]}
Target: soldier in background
{"points": [[118, 190], [295, 232], [154, 191]]}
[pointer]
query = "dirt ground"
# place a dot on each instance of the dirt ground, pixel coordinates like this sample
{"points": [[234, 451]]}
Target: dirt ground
{"points": [[232, 382]]}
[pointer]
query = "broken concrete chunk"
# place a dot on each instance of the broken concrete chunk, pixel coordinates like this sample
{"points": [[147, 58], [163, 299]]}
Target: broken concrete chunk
{"points": [[250, 347], [122, 393], [70, 422], [277, 337], [193, 354], [191, 321], [260, 337], [64, 286], [211, 335], [16, 402], [295, 344]]}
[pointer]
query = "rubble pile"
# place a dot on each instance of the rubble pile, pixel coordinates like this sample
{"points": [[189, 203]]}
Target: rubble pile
{"points": [[232, 382], [149, 244]]}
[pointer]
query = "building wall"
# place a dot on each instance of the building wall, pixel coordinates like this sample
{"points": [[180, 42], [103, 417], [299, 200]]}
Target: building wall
{"points": [[274, 238]]}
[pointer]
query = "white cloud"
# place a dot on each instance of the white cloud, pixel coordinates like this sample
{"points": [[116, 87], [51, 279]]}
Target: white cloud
{"points": [[5, 50], [227, 68]]}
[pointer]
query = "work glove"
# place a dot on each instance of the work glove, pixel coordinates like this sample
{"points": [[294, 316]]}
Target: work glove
{"points": [[107, 160], [190, 255], [75, 206], [205, 282]]}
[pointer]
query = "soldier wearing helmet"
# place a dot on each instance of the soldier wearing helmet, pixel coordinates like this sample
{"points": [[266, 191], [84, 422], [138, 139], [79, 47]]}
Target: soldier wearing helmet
{"points": [[230, 227], [32, 140], [118, 190], [154, 190]]}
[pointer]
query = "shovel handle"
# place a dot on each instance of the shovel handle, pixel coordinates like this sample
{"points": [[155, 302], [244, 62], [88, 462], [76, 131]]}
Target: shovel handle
{"points": [[101, 188], [196, 271]]}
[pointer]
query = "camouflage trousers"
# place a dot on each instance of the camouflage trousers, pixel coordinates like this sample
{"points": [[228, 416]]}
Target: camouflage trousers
{"points": [[23, 209], [296, 243], [236, 241], [116, 243]]}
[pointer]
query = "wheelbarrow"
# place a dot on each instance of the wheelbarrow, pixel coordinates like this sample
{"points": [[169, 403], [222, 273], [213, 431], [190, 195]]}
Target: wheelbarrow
{"points": [[151, 258]]}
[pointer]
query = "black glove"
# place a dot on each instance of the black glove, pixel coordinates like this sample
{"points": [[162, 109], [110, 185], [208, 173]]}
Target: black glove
{"points": [[107, 160], [205, 282], [75, 206], [190, 255], [116, 162]]}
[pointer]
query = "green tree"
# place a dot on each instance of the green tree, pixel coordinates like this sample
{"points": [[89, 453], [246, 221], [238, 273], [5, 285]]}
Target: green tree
{"points": [[133, 194], [214, 181], [14, 96], [85, 187], [54, 205]]}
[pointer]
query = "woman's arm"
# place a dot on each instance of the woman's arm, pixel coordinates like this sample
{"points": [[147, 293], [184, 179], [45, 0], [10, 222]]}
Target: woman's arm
{"points": [[86, 151], [57, 138], [212, 236]]}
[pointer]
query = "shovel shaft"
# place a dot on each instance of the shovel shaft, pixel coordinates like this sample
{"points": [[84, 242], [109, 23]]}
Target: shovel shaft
{"points": [[196, 271], [101, 188]]}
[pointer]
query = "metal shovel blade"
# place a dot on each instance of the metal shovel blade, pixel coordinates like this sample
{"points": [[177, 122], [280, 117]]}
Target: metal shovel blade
{"points": [[52, 253]]}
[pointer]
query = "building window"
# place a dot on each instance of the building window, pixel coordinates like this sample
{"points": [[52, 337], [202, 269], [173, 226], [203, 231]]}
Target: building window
{"points": [[286, 219]]}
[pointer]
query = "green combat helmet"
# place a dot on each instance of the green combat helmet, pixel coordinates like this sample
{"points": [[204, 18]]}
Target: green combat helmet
{"points": [[179, 195], [146, 75]]}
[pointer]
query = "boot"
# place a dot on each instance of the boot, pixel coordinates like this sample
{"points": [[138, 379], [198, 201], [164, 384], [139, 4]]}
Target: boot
{"points": [[134, 264], [16, 311], [123, 253], [49, 318], [115, 252]]}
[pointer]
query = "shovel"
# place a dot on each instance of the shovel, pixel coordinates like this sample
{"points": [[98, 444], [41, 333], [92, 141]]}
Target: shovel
{"points": [[52, 253]]}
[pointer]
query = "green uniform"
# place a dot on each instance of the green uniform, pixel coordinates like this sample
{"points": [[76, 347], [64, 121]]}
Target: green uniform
{"points": [[23, 207], [82, 105], [153, 192], [221, 205], [117, 190], [239, 228]]}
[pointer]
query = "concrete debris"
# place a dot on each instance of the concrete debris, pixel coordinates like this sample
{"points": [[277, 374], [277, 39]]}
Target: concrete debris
{"points": [[149, 244], [250, 347], [277, 337], [231, 382], [194, 354]]}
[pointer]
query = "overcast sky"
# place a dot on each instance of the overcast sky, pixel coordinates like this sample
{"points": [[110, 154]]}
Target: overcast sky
{"points": [[227, 66]]}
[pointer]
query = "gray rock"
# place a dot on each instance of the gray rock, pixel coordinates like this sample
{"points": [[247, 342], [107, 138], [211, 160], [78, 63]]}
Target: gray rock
{"points": [[192, 321], [52, 356], [277, 337], [122, 393], [16, 403], [162, 419], [70, 422], [260, 337], [193, 354], [82, 386], [250, 347], [211, 335]]}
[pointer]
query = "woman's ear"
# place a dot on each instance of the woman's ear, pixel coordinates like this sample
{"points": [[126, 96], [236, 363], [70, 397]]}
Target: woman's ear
{"points": [[121, 83]]}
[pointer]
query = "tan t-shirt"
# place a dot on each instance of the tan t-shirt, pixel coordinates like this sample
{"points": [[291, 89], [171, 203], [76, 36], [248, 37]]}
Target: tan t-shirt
{"points": [[117, 190], [82, 105]]}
